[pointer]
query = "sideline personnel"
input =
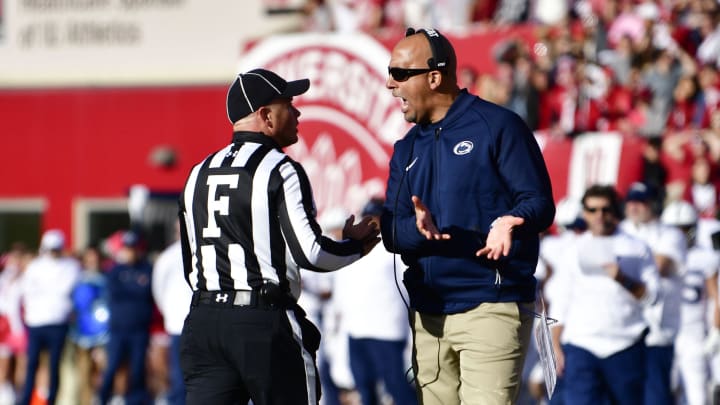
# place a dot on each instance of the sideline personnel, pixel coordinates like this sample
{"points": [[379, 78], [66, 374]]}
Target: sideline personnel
{"points": [[467, 195], [611, 279], [248, 223]]}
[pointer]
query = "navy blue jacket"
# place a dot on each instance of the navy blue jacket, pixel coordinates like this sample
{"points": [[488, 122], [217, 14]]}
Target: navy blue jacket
{"points": [[130, 297], [478, 163]]}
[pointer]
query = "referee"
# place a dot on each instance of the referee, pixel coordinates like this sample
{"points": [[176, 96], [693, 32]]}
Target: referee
{"points": [[248, 224]]}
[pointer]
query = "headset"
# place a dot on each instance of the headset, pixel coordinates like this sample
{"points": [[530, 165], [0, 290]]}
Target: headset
{"points": [[441, 57]]}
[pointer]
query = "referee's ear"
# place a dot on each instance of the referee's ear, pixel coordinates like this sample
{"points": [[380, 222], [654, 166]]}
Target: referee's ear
{"points": [[255, 121], [263, 119]]}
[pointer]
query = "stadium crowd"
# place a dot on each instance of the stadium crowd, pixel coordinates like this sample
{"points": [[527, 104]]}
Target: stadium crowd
{"points": [[647, 69]]}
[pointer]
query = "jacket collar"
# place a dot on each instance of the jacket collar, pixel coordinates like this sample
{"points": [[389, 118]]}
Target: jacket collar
{"points": [[456, 110], [255, 137]]}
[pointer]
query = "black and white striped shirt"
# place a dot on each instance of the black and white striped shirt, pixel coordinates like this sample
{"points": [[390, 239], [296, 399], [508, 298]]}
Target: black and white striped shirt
{"points": [[247, 216]]}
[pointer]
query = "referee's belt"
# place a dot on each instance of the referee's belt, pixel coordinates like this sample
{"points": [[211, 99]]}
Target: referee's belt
{"points": [[267, 296]]}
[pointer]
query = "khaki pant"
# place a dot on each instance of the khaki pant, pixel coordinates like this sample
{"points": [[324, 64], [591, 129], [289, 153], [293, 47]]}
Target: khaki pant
{"points": [[473, 357]]}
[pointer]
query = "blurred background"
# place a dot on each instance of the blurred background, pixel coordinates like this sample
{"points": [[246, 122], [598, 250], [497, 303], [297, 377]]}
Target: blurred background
{"points": [[106, 104]]}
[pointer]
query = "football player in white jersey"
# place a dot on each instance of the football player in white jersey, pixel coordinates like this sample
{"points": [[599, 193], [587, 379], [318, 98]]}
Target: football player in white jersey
{"points": [[600, 317], [699, 275], [669, 249]]}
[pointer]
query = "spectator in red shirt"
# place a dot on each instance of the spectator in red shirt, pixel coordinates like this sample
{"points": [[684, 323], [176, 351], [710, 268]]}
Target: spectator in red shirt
{"points": [[683, 111]]}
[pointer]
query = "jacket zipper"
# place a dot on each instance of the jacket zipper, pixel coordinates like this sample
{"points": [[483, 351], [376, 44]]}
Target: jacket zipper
{"points": [[436, 176], [498, 278], [436, 167]]}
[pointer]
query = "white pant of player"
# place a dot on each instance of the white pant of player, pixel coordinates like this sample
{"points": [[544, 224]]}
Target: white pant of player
{"points": [[691, 369]]}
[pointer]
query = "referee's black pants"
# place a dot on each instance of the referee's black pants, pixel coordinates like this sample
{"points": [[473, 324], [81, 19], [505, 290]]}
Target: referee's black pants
{"points": [[230, 354]]}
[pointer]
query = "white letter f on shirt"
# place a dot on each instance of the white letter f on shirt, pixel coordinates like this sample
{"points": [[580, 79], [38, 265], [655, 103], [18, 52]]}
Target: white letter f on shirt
{"points": [[221, 204]]}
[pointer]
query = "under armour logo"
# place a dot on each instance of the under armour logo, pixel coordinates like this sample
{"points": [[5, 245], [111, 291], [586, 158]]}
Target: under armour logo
{"points": [[221, 297]]}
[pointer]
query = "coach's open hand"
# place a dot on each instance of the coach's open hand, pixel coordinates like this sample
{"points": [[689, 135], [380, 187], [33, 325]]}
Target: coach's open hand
{"points": [[424, 221], [499, 238], [365, 231]]}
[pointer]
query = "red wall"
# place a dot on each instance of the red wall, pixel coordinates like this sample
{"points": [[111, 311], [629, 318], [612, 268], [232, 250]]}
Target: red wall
{"points": [[64, 143]]}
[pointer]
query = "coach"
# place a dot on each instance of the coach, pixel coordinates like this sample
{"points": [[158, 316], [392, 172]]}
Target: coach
{"points": [[248, 224]]}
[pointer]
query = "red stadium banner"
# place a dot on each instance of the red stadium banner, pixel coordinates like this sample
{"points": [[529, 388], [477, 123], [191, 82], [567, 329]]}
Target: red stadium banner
{"points": [[350, 120], [592, 158]]}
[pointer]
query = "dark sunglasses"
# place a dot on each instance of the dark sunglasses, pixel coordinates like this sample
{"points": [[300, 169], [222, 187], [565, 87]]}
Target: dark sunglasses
{"points": [[592, 210], [400, 74]]}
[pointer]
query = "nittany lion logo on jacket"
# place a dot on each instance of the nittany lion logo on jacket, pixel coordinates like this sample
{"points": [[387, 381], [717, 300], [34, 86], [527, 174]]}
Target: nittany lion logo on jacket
{"points": [[463, 148]]}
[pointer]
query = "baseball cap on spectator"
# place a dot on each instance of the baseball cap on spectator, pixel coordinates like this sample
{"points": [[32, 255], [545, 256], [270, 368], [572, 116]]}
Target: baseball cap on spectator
{"points": [[679, 213], [131, 239], [373, 207], [53, 239], [568, 214], [639, 192], [567, 211], [259, 87]]}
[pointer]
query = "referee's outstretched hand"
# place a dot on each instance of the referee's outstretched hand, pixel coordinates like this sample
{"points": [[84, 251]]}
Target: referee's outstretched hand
{"points": [[365, 231]]}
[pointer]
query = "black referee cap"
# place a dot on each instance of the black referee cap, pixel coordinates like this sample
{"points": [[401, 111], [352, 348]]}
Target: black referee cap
{"points": [[257, 88]]}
